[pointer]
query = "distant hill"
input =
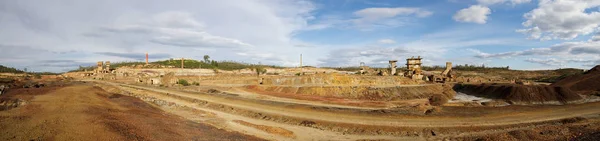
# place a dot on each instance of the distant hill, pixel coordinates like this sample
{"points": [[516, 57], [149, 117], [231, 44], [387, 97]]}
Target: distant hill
{"points": [[189, 63], [5, 69]]}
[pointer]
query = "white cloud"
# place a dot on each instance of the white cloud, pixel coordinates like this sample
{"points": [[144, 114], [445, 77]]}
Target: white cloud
{"points": [[188, 38], [386, 41], [177, 19], [433, 47], [474, 14], [371, 18], [549, 61], [567, 52], [480, 13], [173, 28], [380, 13], [117, 30], [564, 61], [492, 2], [562, 19]]}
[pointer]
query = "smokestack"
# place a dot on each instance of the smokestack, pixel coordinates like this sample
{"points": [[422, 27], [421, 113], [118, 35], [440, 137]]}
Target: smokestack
{"points": [[146, 58]]}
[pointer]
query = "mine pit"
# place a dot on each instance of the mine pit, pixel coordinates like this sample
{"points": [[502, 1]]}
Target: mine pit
{"points": [[315, 103]]}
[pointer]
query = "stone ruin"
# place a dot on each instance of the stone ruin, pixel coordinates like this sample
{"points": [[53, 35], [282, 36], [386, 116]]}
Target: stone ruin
{"points": [[366, 69], [413, 71], [446, 76], [413, 68], [393, 67], [102, 67], [99, 67], [102, 71]]}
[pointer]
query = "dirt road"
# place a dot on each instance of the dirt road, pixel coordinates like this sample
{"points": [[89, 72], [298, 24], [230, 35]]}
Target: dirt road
{"points": [[85, 112], [545, 114]]}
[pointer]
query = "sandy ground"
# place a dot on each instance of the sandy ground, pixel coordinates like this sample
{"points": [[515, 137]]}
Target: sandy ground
{"points": [[491, 120], [101, 110], [494, 120], [85, 112]]}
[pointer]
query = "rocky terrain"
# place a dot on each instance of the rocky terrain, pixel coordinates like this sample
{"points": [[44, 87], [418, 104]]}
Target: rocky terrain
{"points": [[144, 104]]}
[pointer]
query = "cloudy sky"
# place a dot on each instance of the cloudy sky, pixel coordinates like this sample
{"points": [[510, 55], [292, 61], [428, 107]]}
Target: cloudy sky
{"points": [[59, 35]]}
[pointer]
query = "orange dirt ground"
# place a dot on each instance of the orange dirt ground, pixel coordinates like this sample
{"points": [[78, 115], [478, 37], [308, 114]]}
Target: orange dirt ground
{"points": [[85, 112]]}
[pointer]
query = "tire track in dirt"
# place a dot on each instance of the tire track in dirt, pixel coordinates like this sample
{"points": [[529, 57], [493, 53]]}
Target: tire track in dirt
{"points": [[560, 112]]}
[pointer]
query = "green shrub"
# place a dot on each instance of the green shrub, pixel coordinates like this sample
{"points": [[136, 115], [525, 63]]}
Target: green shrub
{"points": [[183, 82]]}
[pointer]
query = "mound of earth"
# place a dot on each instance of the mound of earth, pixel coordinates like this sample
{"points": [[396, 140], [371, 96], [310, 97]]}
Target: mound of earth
{"points": [[521, 94], [586, 83], [361, 92]]}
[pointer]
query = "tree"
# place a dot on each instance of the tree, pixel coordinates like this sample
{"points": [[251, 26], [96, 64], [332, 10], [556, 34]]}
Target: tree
{"points": [[260, 70], [183, 82], [206, 58]]}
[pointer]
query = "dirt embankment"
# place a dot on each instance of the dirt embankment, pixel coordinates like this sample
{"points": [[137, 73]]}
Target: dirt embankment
{"points": [[521, 94], [338, 79], [356, 123], [586, 83], [359, 92]]}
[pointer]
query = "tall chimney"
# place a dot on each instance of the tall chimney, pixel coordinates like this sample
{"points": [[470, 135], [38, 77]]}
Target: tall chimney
{"points": [[146, 58]]}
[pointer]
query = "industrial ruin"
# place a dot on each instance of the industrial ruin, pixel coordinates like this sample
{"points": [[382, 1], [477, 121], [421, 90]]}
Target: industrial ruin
{"points": [[280, 103], [156, 75]]}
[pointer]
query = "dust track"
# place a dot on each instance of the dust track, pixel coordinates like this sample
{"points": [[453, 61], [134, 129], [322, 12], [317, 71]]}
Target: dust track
{"points": [[548, 114]]}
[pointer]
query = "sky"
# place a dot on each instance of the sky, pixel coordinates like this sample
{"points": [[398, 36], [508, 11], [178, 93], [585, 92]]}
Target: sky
{"points": [[61, 35]]}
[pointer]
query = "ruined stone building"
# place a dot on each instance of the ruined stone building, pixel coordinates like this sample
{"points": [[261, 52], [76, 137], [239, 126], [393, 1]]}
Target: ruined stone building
{"points": [[393, 67], [446, 76], [413, 68], [100, 67]]}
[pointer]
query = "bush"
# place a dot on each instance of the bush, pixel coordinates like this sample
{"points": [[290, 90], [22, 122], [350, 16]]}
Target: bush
{"points": [[196, 83], [183, 82]]}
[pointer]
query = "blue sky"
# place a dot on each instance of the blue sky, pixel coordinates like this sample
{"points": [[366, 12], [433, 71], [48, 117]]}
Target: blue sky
{"points": [[59, 35]]}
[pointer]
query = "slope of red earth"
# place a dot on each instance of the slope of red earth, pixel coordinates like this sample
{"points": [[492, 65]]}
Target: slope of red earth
{"points": [[521, 94], [586, 83], [84, 112]]}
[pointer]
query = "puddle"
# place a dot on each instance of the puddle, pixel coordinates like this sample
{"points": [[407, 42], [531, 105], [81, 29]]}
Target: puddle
{"points": [[462, 97]]}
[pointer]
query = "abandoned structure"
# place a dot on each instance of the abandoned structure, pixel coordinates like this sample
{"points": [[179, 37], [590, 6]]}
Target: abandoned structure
{"points": [[107, 64], [393, 67], [413, 68], [100, 67], [446, 76]]}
